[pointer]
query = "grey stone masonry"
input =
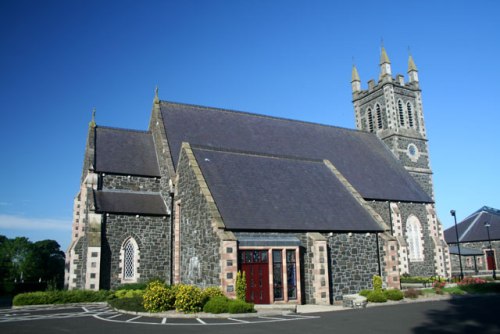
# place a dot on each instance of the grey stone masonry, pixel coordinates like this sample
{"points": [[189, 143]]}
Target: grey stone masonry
{"points": [[129, 182], [417, 268], [199, 242], [167, 172], [353, 262], [469, 266], [153, 239], [78, 263]]}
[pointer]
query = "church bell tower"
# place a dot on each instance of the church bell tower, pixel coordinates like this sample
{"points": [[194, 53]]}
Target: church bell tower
{"points": [[392, 109]]}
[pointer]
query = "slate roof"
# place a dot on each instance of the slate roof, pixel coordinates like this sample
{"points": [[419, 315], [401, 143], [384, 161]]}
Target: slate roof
{"points": [[127, 152], [472, 228], [465, 251], [130, 203], [361, 157], [257, 192]]}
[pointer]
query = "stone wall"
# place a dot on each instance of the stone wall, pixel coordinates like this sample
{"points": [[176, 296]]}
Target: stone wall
{"points": [[77, 276], [152, 234], [353, 262], [199, 243], [468, 265], [129, 182], [415, 268]]}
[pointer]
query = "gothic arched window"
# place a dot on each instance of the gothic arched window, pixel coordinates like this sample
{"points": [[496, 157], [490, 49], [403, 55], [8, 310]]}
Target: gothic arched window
{"points": [[414, 239], [379, 116], [401, 113], [410, 114], [370, 119], [129, 260]]}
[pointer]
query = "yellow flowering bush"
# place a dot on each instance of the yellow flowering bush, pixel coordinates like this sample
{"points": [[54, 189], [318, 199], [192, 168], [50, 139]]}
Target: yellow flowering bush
{"points": [[158, 297], [188, 298], [212, 291]]}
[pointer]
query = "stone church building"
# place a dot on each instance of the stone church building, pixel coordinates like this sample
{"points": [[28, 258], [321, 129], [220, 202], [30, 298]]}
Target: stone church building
{"points": [[309, 212]]}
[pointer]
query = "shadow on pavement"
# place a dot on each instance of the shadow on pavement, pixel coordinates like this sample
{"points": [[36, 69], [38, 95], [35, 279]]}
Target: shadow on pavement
{"points": [[476, 314], [6, 301]]}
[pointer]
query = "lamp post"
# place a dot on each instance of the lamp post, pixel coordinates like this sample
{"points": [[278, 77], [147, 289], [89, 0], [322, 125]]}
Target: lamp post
{"points": [[453, 213], [487, 225]]}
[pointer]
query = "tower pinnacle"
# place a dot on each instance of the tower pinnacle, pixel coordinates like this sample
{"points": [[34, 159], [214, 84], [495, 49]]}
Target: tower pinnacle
{"points": [[412, 70], [156, 99], [385, 64], [355, 81], [92, 121]]}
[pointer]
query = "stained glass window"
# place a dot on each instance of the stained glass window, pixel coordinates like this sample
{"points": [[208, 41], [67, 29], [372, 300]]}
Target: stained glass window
{"points": [[277, 275], [291, 272]]}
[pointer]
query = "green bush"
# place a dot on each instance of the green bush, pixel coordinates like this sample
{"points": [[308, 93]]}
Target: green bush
{"points": [[394, 294], [412, 293], [217, 304], [240, 306], [60, 297], [132, 286], [405, 278], [127, 293], [134, 304], [158, 297], [377, 283], [212, 291], [188, 298], [365, 292], [376, 296], [241, 286]]}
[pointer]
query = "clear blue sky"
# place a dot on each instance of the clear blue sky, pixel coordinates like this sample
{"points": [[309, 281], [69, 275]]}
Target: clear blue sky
{"points": [[293, 59]]}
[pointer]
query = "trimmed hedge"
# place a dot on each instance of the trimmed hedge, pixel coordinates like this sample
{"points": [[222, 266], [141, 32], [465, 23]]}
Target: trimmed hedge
{"points": [[216, 305], [376, 296], [394, 294], [240, 306], [60, 297], [134, 304]]}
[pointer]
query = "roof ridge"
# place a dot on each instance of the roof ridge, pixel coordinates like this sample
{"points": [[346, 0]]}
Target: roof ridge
{"points": [[253, 153], [123, 129], [470, 227], [261, 115]]}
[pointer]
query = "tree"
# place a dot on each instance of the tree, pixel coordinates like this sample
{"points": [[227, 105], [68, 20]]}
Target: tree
{"points": [[22, 261]]}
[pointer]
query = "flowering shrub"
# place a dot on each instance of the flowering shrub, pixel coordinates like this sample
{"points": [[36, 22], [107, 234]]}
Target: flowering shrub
{"points": [[471, 280], [438, 287], [212, 291], [158, 297], [189, 298]]}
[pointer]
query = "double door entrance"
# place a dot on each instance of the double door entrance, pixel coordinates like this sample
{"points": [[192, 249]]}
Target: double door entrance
{"points": [[271, 275]]}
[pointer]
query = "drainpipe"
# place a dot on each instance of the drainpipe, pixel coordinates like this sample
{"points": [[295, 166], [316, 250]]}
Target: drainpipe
{"points": [[378, 256], [390, 218], [171, 238]]}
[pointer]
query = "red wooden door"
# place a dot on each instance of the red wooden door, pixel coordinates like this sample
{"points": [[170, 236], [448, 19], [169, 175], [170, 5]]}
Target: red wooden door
{"points": [[490, 258], [255, 265]]}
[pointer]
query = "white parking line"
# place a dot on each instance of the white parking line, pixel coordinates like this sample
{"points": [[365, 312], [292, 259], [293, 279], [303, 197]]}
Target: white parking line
{"points": [[114, 316], [129, 320], [164, 320], [271, 318], [239, 320], [201, 321]]}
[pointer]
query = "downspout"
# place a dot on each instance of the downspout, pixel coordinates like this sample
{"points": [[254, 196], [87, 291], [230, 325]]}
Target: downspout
{"points": [[171, 238], [390, 218], [378, 257]]}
